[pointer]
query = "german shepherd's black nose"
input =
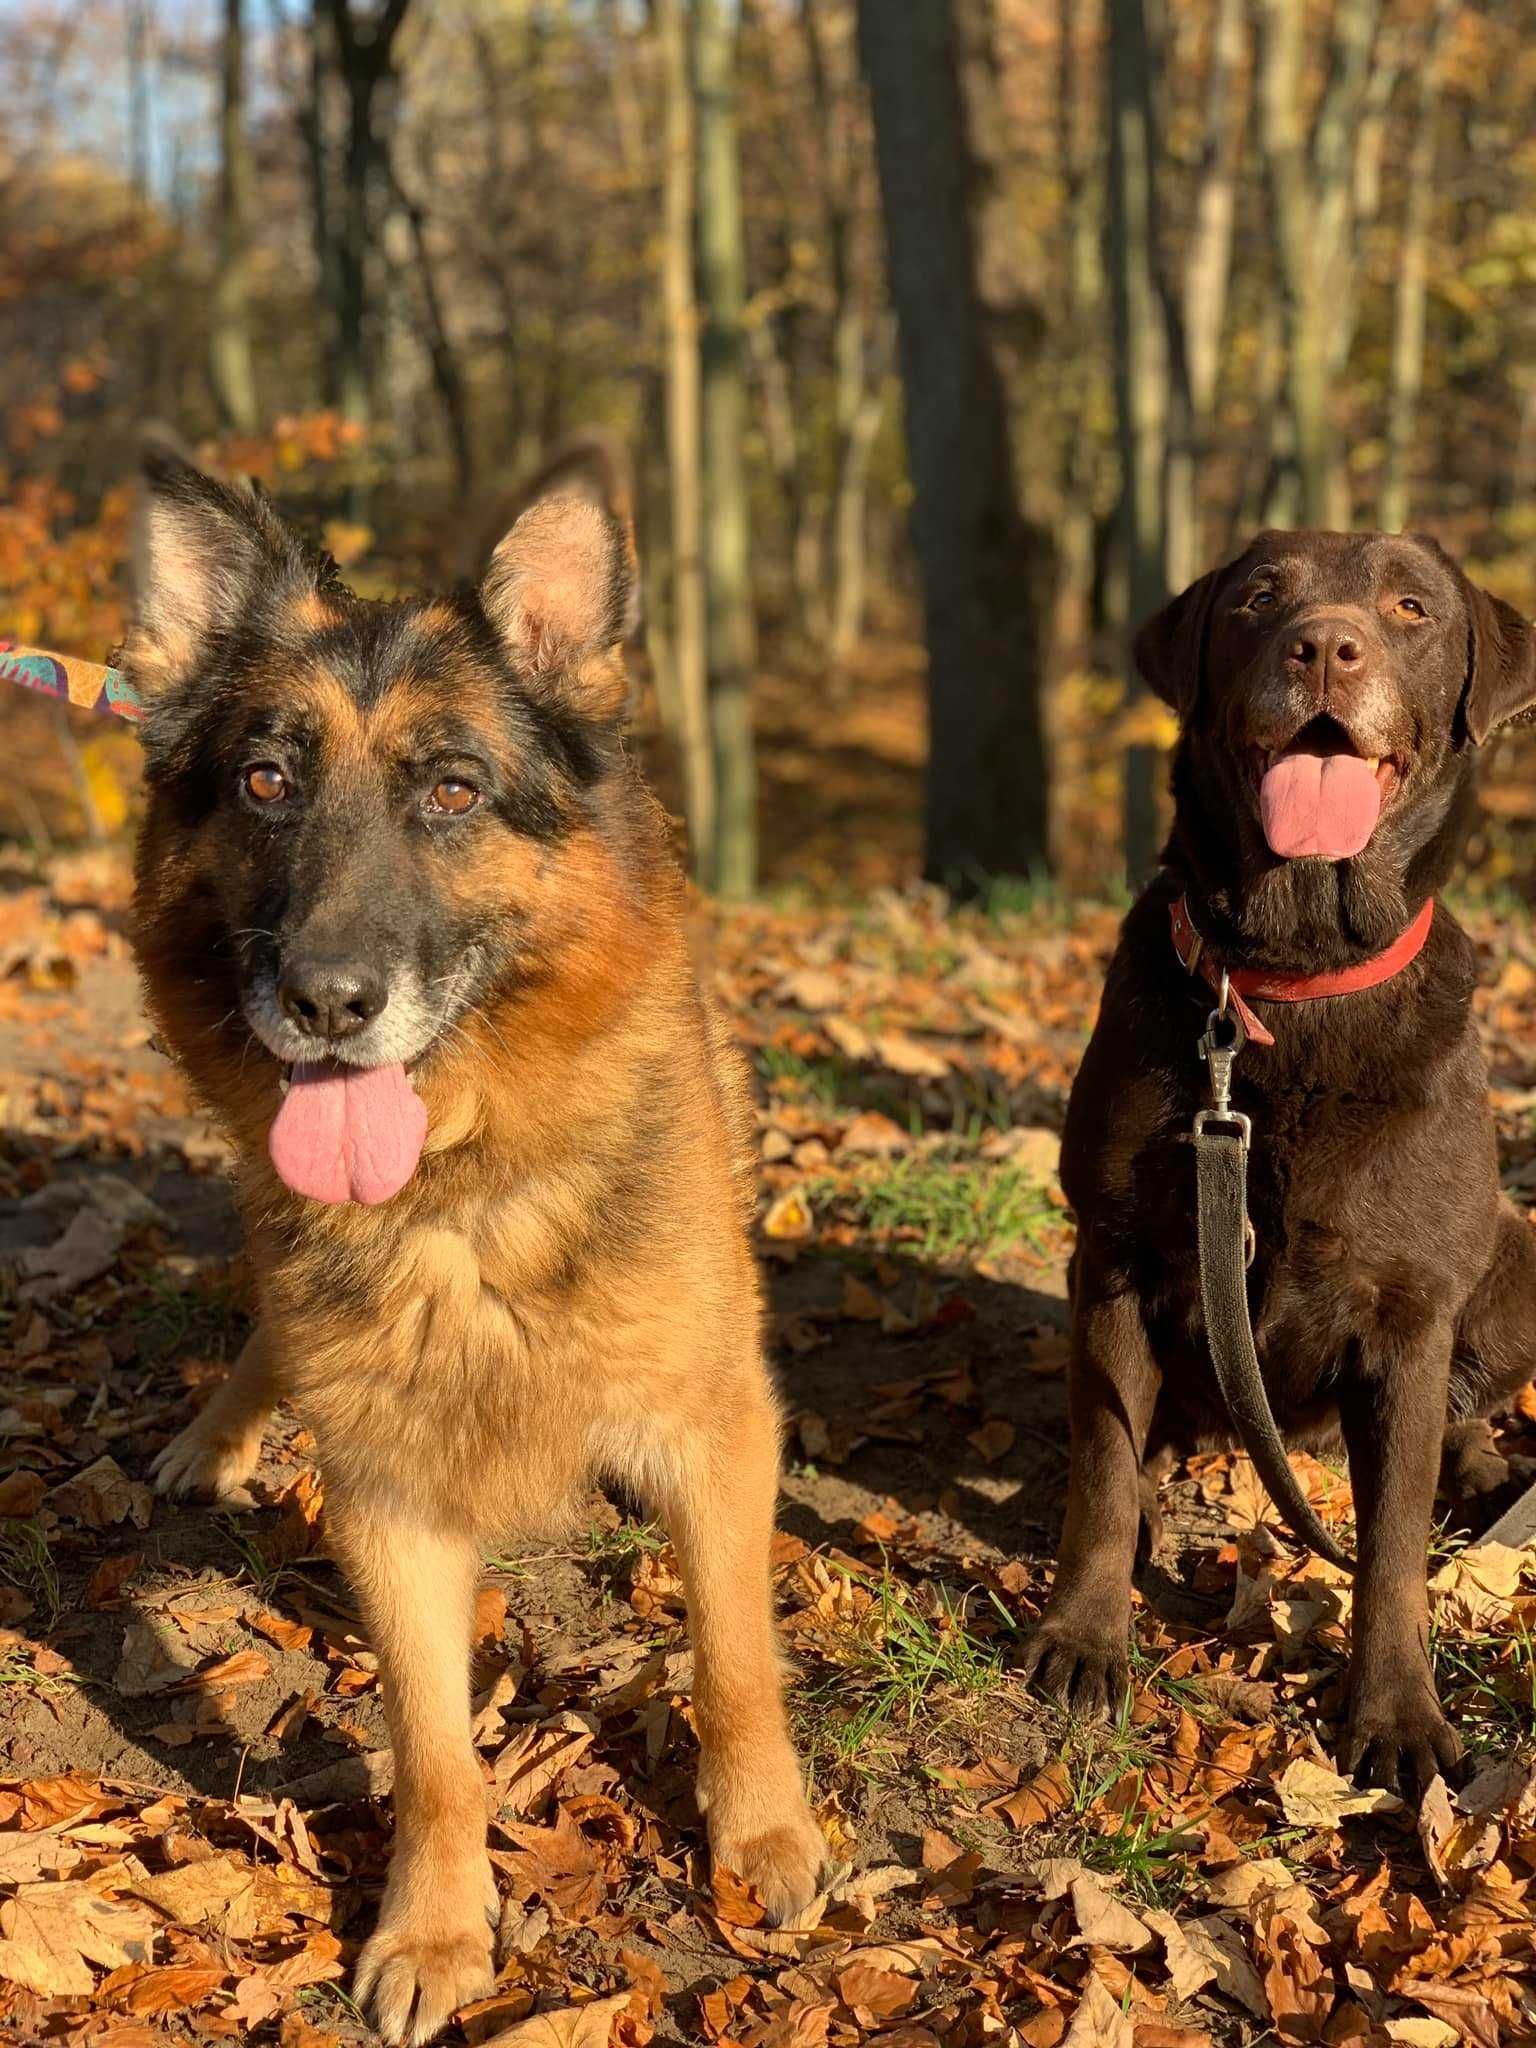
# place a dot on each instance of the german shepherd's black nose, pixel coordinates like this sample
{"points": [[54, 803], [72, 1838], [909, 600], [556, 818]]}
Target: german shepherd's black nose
{"points": [[328, 998]]}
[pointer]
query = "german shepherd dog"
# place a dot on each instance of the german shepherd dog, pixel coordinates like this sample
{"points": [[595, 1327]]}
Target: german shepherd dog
{"points": [[407, 917]]}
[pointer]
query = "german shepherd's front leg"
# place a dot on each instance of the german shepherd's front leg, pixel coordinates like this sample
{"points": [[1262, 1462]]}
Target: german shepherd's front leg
{"points": [[717, 1498], [431, 1952], [218, 1450]]}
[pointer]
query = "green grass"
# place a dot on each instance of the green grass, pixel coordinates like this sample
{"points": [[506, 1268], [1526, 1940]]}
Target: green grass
{"points": [[1488, 1684], [27, 1562], [173, 1319], [829, 1080], [904, 1669], [949, 1208]]}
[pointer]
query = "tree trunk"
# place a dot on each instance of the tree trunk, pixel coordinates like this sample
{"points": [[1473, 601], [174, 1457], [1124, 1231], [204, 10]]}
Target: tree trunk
{"points": [[688, 650], [728, 547], [1407, 367], [1203, 300], [857, 408], [987, 570], [447, 376], [364, 49], [1311, 192], [1141, 378], [231, 365]]}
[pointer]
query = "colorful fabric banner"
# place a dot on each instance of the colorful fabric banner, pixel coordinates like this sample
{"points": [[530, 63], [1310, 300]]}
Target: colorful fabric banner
{"points": [[87, 684]]}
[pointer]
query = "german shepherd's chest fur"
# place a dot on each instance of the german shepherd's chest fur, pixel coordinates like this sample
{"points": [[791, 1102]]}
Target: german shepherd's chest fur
{"points": [[491, 1340]]}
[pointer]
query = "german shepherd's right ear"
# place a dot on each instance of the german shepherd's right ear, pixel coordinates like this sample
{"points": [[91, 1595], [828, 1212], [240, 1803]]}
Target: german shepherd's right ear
{"points": [[203, 551], [560, 595]]}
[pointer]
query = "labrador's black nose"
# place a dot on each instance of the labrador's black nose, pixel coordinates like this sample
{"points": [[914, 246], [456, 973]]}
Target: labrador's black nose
{"points": [[330, 998]]}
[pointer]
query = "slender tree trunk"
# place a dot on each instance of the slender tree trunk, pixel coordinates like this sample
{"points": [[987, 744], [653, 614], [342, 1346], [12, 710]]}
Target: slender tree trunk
{"points": [[987, 569], [728, 545], [322, 69], [231, 363], [1202, 308], [1080, 285], [1407, 370], [1142, 377], [857, 408], [689, 652], [447, 376], [364, 46], [1311, 184]]}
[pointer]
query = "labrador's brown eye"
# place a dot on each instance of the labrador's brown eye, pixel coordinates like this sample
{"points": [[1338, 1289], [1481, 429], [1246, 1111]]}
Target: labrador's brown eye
{"points": [[1260, 600], [268, 785], [453, 798], [1412, 608]]}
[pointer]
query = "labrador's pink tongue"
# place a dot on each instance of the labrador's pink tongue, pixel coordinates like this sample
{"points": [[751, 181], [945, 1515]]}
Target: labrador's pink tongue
{"points": [[1324, 804], [348, 1134]]}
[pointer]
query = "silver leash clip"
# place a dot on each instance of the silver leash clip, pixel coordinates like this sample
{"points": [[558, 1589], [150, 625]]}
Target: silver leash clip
{"points": [[1224, 1039]]}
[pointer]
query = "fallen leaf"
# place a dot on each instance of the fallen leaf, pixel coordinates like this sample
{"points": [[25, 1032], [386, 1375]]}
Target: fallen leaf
{"points": [[101, 1495], [1102, 1922], [51, 1933], [1099, 2022], [570, 2026], [1314, 1796]]}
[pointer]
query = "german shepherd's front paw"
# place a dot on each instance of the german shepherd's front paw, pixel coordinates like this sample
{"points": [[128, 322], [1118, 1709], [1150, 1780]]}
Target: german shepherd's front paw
{"points": [[425, 1961], [1398, 1738], [783, 1864], [761, 1828], [1079, 1667], [208, 1463]]}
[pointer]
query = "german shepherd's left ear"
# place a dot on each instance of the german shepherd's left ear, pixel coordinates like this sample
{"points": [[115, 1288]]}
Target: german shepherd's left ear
{"points": [[203, 552], [560, 594]]}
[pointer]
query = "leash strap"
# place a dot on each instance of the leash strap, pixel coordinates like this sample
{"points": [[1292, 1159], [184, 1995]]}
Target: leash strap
{"points": [[1221, 1138], [89, 685]]}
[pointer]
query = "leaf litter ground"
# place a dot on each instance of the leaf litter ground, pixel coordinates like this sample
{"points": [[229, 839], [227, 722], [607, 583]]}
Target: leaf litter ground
{"points": [[193, 1762]]}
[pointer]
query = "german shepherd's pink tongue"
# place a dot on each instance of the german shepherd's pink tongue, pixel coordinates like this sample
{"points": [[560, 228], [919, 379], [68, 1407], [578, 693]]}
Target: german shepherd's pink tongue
{"points": [[1323, 804], [348, 1134]]}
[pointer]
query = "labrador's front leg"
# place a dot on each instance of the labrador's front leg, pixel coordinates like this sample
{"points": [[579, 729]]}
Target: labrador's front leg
{"points": [[431, 1952]]}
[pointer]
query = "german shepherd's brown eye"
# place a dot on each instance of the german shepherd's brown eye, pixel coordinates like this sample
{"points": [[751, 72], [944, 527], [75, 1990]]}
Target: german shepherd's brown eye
{"points": [[453, 798], [268, 785]]}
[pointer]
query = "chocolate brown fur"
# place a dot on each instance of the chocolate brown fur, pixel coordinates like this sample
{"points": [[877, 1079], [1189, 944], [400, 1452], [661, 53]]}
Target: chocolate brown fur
{"points": [[1393, 1295], [565, 1287]]}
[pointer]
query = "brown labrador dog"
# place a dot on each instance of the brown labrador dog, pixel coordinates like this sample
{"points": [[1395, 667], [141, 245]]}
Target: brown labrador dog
{"points": [[1332, 691]]}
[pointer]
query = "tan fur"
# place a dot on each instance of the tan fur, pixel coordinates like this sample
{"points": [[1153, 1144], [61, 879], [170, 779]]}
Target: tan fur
{"points": [[565, 1288]]}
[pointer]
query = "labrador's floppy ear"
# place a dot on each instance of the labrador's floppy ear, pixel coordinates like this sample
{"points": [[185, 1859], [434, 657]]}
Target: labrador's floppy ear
{"points": [[1501, 664], [1170, 648], [559, 594], [204, 553]]}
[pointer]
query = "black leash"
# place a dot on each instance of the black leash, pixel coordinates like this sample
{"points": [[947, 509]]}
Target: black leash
{"points": [[1221, 1139]]}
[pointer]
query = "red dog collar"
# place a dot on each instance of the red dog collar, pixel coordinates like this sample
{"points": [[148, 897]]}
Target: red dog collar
{"points": [[1195, 958]]}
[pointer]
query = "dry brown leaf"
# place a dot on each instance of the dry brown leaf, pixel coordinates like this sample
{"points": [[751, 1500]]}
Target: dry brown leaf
{"points": [[789, 1219], [173, 1989], [1313, 1795], [1038, 1800], [1102, 1922], [51, 1933], [571, 2026], [1099, 2022], [101, 1495]]}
